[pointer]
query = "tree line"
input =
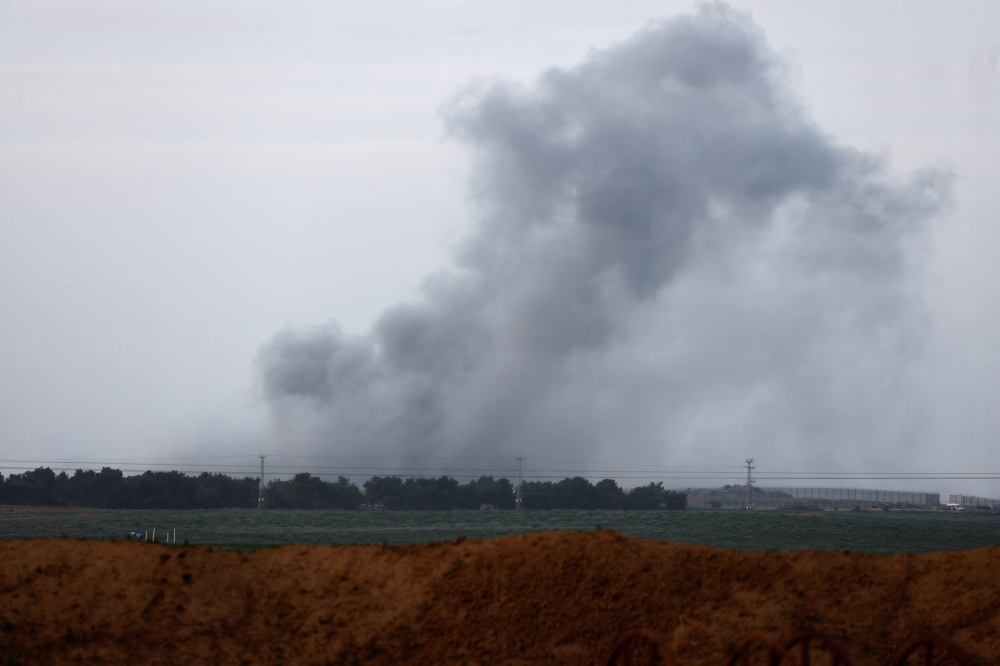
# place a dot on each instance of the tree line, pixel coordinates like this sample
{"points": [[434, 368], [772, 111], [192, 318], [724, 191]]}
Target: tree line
{"points": [[112, 489]]}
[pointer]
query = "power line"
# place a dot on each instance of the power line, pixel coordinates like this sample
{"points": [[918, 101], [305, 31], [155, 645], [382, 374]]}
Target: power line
{"points": [[679, 474], [403, 471], [673, 471]]}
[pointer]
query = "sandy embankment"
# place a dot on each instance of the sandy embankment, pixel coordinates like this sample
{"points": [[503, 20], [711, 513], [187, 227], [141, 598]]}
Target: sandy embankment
{"points": [[554, 598]]}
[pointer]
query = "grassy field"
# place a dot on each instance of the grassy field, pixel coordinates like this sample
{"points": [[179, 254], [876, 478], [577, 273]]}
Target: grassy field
{"points": [[872, 532]]}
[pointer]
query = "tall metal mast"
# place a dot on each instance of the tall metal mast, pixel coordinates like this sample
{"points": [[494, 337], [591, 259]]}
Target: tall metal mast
{"points": [[750, 481], [260, 491], [518, 502]]}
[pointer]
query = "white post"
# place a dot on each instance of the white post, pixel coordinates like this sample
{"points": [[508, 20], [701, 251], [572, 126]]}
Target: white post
{"points": [[145, 535], [154, 535], [175, 536]]}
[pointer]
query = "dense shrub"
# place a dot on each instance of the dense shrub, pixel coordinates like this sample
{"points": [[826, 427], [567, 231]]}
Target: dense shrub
{"points": [[441, 493], [304, 491], [111, 489], [579, 493]]}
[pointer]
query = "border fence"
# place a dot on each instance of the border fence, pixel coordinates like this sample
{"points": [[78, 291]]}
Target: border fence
{"points": [[735, 496], [973, 502]]}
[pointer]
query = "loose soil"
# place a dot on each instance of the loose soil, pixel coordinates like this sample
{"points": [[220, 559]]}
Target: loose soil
{"points": [[551, 598]]}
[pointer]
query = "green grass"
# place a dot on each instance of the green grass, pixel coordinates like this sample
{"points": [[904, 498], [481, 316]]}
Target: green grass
{"points": [[872, 532]]}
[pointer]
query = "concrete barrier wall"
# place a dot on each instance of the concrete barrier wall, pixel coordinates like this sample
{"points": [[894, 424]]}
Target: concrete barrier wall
{"points": [[776, 497]]}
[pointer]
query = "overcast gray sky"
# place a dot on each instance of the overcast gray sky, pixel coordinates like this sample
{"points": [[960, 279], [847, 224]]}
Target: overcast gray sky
{"points": [[192, 195]]}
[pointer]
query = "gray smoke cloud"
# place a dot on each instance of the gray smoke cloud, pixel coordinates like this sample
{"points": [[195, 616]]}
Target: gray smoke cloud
{"points": [[672, 263]]}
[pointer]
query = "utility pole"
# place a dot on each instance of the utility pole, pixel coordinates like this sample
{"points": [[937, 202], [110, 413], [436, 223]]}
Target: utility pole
{"points": [[260, 492], [750, 480], [518, 501]]}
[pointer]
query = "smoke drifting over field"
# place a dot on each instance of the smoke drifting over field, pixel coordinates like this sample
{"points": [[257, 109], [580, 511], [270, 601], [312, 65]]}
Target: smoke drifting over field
{"points": [[671, 263]]}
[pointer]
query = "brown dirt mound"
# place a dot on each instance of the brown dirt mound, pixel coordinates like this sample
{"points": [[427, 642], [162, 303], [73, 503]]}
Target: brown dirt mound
{"points": [[553, 598]]}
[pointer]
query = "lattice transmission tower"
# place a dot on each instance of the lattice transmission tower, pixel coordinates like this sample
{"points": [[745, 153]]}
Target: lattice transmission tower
{"points": [[260, 491], [750, 481], [518, 501]]}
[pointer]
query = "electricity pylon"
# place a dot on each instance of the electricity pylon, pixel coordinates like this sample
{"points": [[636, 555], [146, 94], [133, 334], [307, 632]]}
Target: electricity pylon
{"points": [[518, 501], [750, 481], [260, 491]]}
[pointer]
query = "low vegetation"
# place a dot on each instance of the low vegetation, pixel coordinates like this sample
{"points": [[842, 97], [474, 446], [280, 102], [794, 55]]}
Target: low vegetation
{"points": [[248, 529]]}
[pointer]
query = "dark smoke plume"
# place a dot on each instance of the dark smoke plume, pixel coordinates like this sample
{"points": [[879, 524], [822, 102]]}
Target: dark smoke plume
{"points": [[672, 264]]}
